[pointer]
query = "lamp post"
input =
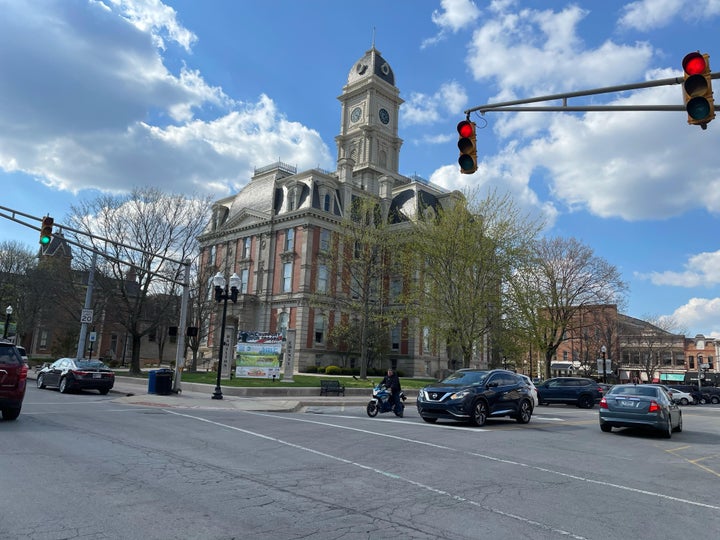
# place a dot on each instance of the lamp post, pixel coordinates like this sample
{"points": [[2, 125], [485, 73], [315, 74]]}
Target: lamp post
{"points": [[603, 351], [700, 372], [223, 295], [8, 312]]}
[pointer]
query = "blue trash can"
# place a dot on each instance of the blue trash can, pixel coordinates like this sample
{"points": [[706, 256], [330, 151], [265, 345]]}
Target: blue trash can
{"points": [[151, 381], [163, 381]]}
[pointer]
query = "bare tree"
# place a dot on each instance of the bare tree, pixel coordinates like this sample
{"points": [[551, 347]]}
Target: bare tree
{"points": [[17, 265], [201, 306], [562, 279], [141, 234]]}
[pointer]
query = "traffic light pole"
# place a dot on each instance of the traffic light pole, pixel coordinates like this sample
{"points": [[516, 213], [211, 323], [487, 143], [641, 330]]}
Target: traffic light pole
{"points": [[517, 105]]}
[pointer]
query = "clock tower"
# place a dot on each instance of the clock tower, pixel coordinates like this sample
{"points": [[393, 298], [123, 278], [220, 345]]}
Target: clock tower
{"points": [[369, 127]]}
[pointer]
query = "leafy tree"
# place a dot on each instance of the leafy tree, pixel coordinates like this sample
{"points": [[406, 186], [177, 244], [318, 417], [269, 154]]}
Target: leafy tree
{"points": [[465, 254]]}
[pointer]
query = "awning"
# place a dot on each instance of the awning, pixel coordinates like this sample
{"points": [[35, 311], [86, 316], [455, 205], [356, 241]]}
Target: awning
{"points": [[562, 366], [672, 377]]}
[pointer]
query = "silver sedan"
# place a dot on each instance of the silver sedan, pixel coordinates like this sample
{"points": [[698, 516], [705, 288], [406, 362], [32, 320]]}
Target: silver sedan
{"points": [[638, 405]]}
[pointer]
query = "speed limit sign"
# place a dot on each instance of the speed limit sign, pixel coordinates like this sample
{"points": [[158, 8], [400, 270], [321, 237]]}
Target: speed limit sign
{"points": [[86, 317]]}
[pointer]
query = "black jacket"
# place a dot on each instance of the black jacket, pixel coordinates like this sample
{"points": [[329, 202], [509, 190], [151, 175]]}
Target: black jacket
{"points": [[392, 382]]}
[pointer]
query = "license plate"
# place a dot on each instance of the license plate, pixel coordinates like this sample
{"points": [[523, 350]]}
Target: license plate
{"points": [[97, 375], [627, 403]]}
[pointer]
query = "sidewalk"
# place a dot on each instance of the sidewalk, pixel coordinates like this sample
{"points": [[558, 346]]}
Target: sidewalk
{"points": [[134, 391]]}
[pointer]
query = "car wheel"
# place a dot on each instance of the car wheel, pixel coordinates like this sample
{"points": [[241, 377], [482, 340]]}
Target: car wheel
{"points": [[63, 386], [10, 414], [715, 400], [684, 401], [586, 402], [668, 430], [606, 428], [480, 412], [103, 391], [41, 381], [678, 429], [524, 413], [429, 420]]}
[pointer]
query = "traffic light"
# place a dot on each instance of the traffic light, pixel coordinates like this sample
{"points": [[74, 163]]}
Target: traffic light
{"points": [[467, 145], [697, 89], [46, 230]]}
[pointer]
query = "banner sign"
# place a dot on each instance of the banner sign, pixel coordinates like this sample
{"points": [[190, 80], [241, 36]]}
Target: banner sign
{"points": [[258, 360]]}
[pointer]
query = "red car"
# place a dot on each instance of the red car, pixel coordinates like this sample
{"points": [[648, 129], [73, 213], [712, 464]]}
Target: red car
{"points": [[13, 379]]}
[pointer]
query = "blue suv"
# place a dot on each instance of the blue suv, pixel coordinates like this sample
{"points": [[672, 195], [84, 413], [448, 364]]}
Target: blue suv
{"points": [[475, 395], [579, 391]]}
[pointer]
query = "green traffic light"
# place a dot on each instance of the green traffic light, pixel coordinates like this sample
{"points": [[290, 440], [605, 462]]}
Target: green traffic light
{"points": [[44, 240]]}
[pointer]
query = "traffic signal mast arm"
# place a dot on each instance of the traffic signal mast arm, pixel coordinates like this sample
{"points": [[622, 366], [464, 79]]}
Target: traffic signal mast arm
{"points": [[515, 106]]}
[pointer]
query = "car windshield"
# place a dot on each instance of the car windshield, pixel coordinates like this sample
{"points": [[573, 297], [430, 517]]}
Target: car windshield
{"points": [[466, 378], [633, 390], [90, 364]]}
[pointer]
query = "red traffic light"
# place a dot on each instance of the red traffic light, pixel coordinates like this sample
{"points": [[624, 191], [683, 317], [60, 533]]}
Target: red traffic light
{"points": [[465, 128], [694, 63], [697, 89], [467, 145]]}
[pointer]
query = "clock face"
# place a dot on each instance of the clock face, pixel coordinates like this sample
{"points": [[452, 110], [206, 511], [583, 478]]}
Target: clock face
{"points": [[356, 114], [384, 116]]}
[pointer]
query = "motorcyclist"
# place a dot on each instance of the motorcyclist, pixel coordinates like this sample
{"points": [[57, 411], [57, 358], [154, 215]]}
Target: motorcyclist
{"points": [[392, 382]]}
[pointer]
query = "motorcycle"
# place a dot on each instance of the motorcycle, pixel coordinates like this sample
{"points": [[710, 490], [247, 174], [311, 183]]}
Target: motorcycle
{"points": [[380, 402]]}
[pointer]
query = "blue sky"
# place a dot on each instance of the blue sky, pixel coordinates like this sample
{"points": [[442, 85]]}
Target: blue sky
{"points": [[106, 95]]}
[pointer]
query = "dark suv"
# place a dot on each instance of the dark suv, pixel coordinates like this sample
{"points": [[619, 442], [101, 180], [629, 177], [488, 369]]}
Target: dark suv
{"points": [[13, 378], [476, 395], [584, 393]]}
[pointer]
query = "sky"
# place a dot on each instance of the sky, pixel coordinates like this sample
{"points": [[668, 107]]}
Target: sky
{"points": [[103, 96]]}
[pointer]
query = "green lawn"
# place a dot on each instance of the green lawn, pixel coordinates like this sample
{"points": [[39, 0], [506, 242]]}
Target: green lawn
{"points": [[299, 380]]}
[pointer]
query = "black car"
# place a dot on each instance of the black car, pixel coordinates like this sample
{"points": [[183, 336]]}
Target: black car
{"points": [[13, 379], [69, 374], [475, 395], [579, 391]]}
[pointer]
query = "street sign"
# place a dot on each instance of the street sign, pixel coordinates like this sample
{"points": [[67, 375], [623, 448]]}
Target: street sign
{"points": [[607, 368], [86, 317], [93, 337], [704, 366]]}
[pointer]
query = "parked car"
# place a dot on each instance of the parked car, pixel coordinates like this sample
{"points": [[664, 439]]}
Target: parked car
{"points": [[69, 374], [640, 405], [711, 394], [476, 395], [13, 380], [533, 389], [680, 396], [579, 391], [23, 354]]}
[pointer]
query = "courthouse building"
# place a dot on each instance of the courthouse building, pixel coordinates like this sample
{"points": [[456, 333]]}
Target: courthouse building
{"points": [[276, 232]]}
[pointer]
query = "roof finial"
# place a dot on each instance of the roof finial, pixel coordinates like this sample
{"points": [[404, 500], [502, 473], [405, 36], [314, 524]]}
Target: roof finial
{"points": [[373, 38]]}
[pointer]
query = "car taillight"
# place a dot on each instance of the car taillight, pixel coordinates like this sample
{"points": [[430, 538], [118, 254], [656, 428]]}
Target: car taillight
{"points": [[603, 403], [654, 407], [23, 373], [600, 389]]}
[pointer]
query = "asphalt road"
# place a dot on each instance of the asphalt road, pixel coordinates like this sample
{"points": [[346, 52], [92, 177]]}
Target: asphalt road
{"points": [[91, 466]]}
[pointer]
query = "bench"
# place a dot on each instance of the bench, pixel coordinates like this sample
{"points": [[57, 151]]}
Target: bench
{"points": [[329, 386]]}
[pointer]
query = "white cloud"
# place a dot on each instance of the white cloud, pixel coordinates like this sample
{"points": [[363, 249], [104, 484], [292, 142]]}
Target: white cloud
{"points": [[427, 109], [453, 16], [701, 270], [58, 125], [700, 313], [646, 15], [539, 52]]}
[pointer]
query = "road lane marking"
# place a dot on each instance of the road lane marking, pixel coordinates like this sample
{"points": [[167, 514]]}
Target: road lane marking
{"points": [[387, 474]]}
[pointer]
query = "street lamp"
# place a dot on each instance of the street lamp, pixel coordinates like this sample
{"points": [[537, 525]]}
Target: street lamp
{"points": [[603, 350], [8, 312], [223, 295]]}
